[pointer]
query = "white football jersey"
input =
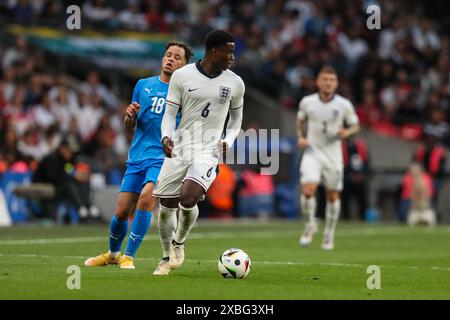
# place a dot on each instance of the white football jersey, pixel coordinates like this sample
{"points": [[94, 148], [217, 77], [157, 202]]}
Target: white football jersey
{"points": [[324, 119], [204, 102]]}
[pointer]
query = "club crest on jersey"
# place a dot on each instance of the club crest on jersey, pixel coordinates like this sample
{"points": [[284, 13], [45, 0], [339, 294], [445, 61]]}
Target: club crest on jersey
{"points": [[224, 94], [335, 113]]}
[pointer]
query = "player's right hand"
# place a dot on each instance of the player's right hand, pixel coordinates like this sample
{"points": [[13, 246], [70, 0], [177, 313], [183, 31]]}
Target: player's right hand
{"points": [[303, 143], [167, 144], [133, 109]]}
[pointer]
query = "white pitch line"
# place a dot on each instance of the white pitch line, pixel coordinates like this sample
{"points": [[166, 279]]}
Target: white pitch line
{"points": [[295, 263], [241, 234], [197, 235]]}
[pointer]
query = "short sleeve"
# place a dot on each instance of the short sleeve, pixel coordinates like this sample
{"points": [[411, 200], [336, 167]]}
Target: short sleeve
{"points": [[136, 90], [238, 98], [175, 92], [350, 115], [301, 114]]}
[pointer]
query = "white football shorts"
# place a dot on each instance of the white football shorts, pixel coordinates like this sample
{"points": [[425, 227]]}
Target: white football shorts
{"points": [[175, 171], [313, 170]]}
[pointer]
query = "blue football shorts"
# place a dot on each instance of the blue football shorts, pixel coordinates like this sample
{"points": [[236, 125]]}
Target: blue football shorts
{"points": [[136, 178]]}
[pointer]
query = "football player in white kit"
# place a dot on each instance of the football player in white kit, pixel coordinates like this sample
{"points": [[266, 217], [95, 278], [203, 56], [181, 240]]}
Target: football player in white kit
{"points": [[204, 92], [324, 113]]}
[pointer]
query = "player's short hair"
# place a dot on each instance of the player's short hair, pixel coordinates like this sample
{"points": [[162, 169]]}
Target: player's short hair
{"points": [[328, 69], [188, 53], [217, 38]]}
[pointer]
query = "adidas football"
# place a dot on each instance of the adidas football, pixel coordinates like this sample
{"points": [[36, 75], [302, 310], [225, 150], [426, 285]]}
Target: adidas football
{"points": [[234, 263]]}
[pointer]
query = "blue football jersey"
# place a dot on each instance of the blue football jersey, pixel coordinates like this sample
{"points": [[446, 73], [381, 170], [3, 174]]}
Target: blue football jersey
{"points": [[146, 145]]}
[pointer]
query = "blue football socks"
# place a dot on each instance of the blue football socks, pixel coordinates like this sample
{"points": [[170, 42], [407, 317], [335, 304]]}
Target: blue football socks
{"points": [[139, 229], [118, 231]]}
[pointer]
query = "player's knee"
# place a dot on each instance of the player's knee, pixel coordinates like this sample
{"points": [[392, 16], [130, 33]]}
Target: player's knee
{"points": [[122, 214], [146, 203], [333, 196], [188, 201], [169, 202], [308, 192]]}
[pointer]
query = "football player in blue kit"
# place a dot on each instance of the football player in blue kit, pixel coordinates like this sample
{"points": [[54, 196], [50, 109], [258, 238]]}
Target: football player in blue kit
{"points": [[145, 158]]}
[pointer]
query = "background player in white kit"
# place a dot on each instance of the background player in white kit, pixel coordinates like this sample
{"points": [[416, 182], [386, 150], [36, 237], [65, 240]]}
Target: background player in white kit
{"points": [[206, 92], [324, 113]]}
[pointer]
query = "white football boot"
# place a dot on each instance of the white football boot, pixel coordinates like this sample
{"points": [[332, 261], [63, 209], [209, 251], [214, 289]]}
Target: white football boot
{"points": [[163, 268], [308, 235], [328, 241], [176, 255]]}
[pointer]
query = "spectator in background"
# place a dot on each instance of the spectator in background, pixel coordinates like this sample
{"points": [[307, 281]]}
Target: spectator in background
{"points": [[89, 116], [14, 54], [99, 149], [356, 173], [71, 185], [14, 111], [368, 112], [202, 26], [256, 197], [156, 20], [389, 36], [436, 125], [31, 146], [417, 191], [98, 12], [432, 157], [424, 36], [64, 109], [93, 87], [61, 86], [44, 113], [23, 12], [9, 152], [131, 17], [3, 100], [34, 91], [51, 12], [353, 46]]}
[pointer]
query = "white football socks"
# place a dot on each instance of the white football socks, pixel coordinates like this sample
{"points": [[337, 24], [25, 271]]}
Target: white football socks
{"points": [[188, 216], [308, 206], [332, 212], [167, 225]]}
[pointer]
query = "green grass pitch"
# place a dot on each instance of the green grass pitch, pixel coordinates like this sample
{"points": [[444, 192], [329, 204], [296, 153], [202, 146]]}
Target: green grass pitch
{"points": [[414, 263]]}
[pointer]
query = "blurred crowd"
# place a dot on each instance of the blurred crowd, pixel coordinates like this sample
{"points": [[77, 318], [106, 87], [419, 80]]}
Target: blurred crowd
{"points": [[40, 107], [398, 76]]}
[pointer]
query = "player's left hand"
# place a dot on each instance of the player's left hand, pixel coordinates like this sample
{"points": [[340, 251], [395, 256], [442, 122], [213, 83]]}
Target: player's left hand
{"points": [[223, 146], [167, 144], [343, 133]]}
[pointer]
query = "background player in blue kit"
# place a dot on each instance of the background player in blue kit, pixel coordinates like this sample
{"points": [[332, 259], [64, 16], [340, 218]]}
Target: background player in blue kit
{"points": [[144, 162]]}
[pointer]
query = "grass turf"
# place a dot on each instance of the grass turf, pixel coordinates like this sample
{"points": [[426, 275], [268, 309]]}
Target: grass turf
{"points": [[414, 262]]}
